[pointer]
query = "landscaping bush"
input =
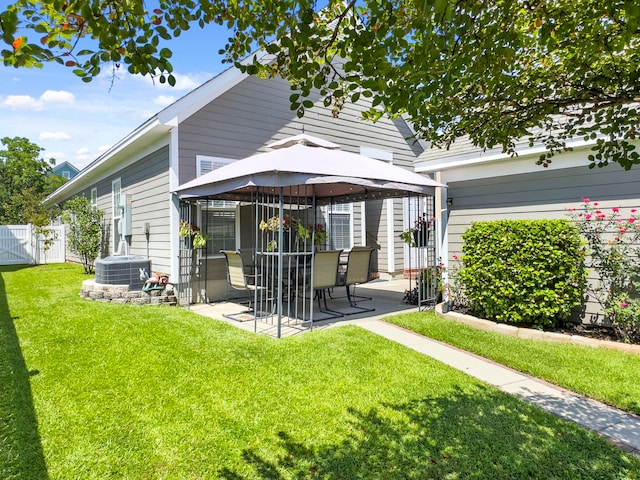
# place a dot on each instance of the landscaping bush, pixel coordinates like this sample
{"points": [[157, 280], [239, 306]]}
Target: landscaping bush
{"points": [[526, 272], [85, 231], [613, 241]]}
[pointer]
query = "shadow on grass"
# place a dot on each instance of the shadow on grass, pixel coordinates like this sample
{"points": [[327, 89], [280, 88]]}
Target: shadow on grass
{"points": [[21, 455], [479, 434]]}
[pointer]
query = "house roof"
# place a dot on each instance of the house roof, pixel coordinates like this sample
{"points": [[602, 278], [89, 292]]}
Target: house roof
{"points": [[63, 165], [153, 130], [463, 154]]}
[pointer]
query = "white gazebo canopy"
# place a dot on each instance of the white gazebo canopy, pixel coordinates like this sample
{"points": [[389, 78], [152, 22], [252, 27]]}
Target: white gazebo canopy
{"points": [[308, 167]]}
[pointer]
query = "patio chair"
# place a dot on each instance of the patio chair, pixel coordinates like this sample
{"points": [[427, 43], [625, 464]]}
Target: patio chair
{"points": [[358, 271], [325, 276], [240, 280]]}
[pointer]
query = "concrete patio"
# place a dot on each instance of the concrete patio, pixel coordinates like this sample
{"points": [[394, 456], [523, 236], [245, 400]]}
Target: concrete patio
{"points": [[387, 298]]}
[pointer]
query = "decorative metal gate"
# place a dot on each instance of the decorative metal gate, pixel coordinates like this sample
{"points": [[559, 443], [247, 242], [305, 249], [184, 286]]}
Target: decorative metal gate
{"points": [[423, 267]]}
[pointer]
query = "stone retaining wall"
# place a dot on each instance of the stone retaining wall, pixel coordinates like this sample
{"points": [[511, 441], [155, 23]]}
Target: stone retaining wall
{"points": [[532, 334], [121, 294]]}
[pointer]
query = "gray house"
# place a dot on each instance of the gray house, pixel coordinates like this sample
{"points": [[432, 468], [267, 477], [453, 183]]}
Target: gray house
{"points": [[491, 185], [230, 117]]}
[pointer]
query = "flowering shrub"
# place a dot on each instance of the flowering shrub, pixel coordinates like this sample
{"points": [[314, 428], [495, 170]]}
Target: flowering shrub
{"points": [[613, 240], [453, 289]]}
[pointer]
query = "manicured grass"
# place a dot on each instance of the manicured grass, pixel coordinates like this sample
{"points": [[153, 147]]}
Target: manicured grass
{"points": [[97, 391], [610, 376]]}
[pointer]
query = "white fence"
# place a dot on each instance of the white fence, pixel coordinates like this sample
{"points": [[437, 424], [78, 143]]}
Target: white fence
{"points": [[21, 244]]}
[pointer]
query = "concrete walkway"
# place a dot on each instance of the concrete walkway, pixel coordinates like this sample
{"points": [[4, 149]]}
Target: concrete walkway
{"points": [[621, 428]]}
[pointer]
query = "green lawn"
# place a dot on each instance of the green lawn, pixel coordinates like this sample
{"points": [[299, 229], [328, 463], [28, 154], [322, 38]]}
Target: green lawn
{"points": [[90, 390], [610, 376]]}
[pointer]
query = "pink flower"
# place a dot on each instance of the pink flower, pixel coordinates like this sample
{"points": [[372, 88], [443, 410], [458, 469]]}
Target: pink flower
{"points": [[586, 200], [631, 220], [633, 210], [622, 231], [455, 257], [588, 216], [598, 212], [623, 304], [615, 209], [595, 204]]}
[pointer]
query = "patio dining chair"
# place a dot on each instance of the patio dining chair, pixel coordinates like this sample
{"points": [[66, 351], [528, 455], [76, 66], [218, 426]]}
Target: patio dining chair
{"points": [[358, 271], [325, 276], [240, 280]]}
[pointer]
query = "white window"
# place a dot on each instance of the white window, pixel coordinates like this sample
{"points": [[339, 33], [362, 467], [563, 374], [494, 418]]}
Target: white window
{"points": [[339, 226], [94, 196], [66, 174], [218, 217], [206, 164], [219, 224]]}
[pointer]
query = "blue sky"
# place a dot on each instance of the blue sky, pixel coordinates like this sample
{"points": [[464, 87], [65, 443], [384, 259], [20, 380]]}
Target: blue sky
{"points": [[76, 121]]}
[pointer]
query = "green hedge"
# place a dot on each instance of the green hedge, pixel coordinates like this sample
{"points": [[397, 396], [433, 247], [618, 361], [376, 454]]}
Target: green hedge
{"points": [[523, 271]]}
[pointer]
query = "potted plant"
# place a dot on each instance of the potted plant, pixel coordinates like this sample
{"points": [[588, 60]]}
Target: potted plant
{"points": [[429, 286], [273, 224], [320, 234], [196, 239], [418, 235]]}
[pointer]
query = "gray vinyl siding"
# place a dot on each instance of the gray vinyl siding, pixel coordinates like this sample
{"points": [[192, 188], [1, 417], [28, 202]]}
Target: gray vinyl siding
{"points": [[544, 194], [147, 180], [256, 112]]}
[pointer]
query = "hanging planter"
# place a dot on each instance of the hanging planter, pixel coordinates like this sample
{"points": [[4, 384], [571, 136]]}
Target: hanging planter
{"points": [[192, 235], [421, 237], [418, 236]]}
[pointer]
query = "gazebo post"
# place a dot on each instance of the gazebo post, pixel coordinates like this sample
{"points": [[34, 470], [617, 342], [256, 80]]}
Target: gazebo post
{"points": [[280, 259], [313, 250], [255, 263]]}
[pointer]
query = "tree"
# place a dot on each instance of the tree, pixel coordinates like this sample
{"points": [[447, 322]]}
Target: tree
{"points": [[25, 179], [493, 70], [85, 231]]}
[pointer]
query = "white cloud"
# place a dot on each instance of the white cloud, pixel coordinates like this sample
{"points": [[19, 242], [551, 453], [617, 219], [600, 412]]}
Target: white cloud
{"points": [[54, 136], [58, 96], [164, 100], [21, 102], [27, 102], [82, 151]]}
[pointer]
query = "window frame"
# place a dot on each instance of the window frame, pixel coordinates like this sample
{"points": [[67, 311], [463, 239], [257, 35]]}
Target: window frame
{"points": [[339, 209], [216, 162], [116, 210]]}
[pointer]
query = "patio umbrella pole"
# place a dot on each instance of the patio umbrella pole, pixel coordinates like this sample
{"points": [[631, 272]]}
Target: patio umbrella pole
{"points": [[280, 259]]}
